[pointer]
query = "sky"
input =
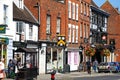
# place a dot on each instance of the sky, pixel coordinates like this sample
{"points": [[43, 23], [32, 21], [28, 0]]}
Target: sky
{"points": [[115, 3]]}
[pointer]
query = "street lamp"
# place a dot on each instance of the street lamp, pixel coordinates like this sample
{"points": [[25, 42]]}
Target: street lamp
{"points": [[39, 44], [80, 53]]}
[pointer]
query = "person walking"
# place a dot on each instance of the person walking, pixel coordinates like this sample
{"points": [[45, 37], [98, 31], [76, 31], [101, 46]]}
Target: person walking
{"points": [[95, 65], [2, 69], [11, 67], [88, 63]]}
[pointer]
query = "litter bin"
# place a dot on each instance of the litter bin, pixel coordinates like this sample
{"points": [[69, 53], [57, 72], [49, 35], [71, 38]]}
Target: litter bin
{"points": [[66, 68], [22, 74]]}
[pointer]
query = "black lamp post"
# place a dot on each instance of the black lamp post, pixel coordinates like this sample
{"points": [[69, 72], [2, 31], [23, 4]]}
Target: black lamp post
{"points": [[39, 44], [80, 52]]}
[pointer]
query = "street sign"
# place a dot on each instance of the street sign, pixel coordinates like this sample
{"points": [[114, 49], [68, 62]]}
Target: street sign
{"points": [[3, 28], [4, 40]]}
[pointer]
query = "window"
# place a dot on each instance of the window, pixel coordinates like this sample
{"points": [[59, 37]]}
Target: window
{"points": [[5, 14], [76, 34], [58, 25], [20, 27], [81, 7], [81, 30], [48, 25], [69, 32], [73, 10], [30, 31], [105, 26], [84, 30], [69, 9], [87, 31], [76, 11], [73, 33], [85, 9], [61, 1], [48, 55]]}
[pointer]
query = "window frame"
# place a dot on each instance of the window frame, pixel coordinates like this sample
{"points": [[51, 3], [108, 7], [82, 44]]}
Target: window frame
{"points": [[48, 24]]}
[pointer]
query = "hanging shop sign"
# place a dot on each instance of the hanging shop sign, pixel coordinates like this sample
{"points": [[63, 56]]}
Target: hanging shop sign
{"points": [[3, 29], [4, 40], [61, 41]]}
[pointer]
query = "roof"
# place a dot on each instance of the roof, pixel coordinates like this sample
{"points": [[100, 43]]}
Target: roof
{"points": [[93, 4], [26, 50], [23, 15], [100, 11], [110, 5]]}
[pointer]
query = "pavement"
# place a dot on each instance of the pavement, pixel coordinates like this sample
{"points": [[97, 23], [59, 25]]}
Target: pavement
{"points": [[67, 76]]}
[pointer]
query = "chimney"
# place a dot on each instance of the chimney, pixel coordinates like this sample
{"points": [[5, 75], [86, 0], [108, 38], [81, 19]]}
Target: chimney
{"points": [[117, 9]]}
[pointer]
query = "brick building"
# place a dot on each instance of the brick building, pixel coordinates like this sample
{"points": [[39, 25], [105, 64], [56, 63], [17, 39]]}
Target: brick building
{"points": [[113, 29], [69, 18], [52, 19]]}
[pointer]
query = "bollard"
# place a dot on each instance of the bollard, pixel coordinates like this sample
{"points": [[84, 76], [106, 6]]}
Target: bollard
{"points": [[53, 75]]}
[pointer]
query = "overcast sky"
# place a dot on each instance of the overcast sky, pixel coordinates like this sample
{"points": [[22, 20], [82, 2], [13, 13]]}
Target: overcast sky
{"points": [[115, 3]]}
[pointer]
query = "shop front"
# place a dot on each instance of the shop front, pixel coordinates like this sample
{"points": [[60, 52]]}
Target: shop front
{"points": [[27, 62], [73, 59], [54, 59]]}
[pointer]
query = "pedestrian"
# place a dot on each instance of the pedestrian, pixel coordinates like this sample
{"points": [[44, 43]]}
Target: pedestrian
{"points": [[95, 65], [2, 69], [88, 63], [11, 68]]}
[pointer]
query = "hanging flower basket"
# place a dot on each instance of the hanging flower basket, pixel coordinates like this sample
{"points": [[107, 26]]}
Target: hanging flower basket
{"points": [[90, 51], [105, 52]]}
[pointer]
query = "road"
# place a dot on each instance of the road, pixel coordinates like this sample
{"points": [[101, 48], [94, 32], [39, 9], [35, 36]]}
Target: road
{"points": [[111, 77], [80, 76], [98, 76]]}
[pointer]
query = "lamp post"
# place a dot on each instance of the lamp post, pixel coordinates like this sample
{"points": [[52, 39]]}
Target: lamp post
{"points": [[39, 44], [80, 52]]}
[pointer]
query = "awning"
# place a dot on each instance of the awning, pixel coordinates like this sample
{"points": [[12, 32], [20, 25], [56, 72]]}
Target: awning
{"points": [[26, 50]]}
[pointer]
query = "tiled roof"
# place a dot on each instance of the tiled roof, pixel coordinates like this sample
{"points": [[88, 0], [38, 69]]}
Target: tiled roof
{"points": [[23, 15]]}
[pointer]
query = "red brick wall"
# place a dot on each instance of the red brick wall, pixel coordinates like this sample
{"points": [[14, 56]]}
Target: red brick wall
{"points": [[113, 26], [54, 9]]}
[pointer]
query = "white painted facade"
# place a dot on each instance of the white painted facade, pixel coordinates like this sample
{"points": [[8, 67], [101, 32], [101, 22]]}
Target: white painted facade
{"points": [[7, 14], [11, 28]]}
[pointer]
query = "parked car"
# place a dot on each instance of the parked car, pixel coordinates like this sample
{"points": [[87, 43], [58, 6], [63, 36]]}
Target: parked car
{"points": [[109, 67]]}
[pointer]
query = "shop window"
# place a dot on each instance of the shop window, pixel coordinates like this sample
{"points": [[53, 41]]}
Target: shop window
{"points": [[48, 55], [54, 55]]}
